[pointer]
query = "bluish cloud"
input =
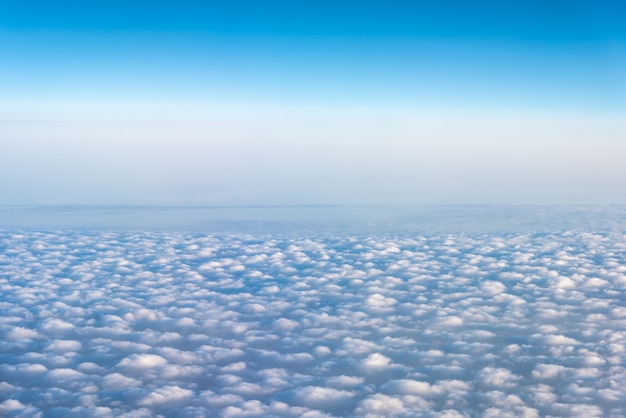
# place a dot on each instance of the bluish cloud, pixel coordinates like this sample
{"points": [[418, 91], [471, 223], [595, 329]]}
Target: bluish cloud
{"points": [[443, 324]]}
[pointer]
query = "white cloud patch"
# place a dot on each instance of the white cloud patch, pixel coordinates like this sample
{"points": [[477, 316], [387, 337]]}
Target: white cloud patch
{"points": [[142, 361], [167, 396], [379, 301], [498, 377], [379, 405], [56, 327], [560, 340], [376, 361], [20, 333], [176, 324], [117, 381], [284, 324], [317, 397]]}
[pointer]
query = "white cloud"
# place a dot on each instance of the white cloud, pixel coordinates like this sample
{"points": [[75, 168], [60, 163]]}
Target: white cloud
{"points": [[57, 327], [549, 371], [322, 351], [322, 397], [450, 413], [560, 340], [117, 381], [379, 301], [64, 346], [380, 405], [498, 377], [235, 367], [148, 323], [376, 361], [284, 324], [169, 396], [19, 333], [344, 381], [11, 405], [450, 321], [142, 361], [492, 288]]}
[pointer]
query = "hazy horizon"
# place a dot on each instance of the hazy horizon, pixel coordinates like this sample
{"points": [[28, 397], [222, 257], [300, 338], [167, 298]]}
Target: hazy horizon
{"points": [[314, 220]]}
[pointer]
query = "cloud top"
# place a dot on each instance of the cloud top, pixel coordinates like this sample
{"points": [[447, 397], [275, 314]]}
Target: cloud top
{"points": [[174, 324]]}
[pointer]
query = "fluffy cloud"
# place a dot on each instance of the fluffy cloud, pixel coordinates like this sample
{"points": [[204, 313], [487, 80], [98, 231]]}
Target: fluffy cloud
{"points": [[318, 397], [19, 333], [170, 396], [117, 381], [142, 361], [375, 362], [177, 324]]}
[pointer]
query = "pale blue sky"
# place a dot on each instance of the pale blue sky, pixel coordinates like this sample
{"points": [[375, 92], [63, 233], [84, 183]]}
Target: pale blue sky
{"points": [[280, 102]]}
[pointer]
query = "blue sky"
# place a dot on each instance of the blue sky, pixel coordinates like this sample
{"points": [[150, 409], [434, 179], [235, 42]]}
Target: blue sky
{"points": [[515, 54], [310, 81]]}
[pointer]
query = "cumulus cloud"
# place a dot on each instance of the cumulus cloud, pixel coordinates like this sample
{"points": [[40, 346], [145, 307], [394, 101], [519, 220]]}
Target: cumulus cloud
{"points": [[379, 405], [19, 333], [177, 324], [560, 340], [117, 381], [56, 327], [284, 324], [142, 361], [376, 361], [167, 396], [498, 377], [318, 397]]}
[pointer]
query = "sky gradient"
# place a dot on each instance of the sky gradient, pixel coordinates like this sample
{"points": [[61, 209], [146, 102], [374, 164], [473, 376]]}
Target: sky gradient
{"points": [[282, 102]]}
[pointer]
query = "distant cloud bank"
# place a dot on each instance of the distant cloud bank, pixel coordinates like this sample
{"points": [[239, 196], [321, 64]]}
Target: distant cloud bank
{"points": [[142, 324]]}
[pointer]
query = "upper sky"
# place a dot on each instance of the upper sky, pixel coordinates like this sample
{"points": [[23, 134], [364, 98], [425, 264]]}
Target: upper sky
{"points": [[424, 75], [446, 53]]}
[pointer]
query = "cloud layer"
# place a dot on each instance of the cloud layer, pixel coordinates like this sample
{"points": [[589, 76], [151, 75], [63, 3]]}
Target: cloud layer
{"points": [[141, 324]]}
